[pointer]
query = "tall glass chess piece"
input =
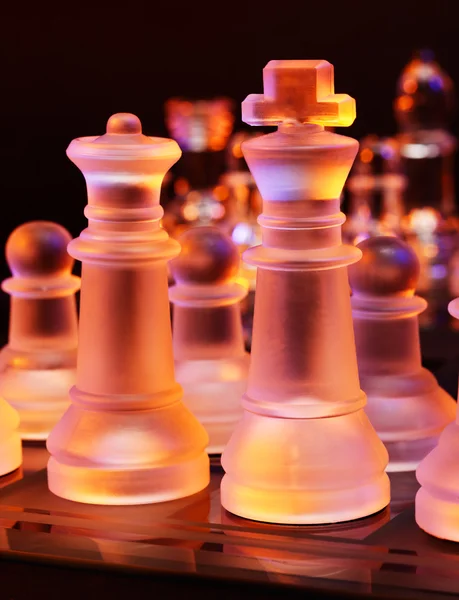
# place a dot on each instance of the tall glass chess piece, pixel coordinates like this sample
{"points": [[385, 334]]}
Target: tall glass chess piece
{"points": [[127, 437], [304, 451]]}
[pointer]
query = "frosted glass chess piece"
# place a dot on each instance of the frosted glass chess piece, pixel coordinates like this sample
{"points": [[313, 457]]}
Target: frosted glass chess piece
{"points": [[304, 451], [405, 404], [38, 365], [210, 360], [127, 437], [437, 501]]}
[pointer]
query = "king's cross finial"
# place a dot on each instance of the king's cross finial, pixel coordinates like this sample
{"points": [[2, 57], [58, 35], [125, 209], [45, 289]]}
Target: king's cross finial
{"points": [[301, 90]]}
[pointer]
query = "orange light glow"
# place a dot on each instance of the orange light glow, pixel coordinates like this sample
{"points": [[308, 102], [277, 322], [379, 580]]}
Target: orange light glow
{"points": [[221, 192], [190, 212], [237, 150], [410, 86], [405, 103], [186, 108], [366, 155], [181, 187], [430, 250]]}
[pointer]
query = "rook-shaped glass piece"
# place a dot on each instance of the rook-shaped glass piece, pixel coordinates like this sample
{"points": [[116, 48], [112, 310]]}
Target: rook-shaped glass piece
{"points": [[127, 438]]}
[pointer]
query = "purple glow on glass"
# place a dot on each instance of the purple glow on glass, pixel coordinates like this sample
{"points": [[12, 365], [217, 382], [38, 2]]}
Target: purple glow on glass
{"points": [[436, 83], [387, 152]]}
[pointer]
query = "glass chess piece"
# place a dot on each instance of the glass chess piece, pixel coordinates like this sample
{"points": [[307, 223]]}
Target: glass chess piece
{"points": [[437, 501], [405, 404], [127, 437], [424, 108], [303, 388], [38, 365], [211, 363], [375, 191], [202, 129]]}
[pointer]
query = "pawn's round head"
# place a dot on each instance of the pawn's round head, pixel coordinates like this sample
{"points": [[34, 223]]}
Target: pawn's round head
{"points": [[208, 256], [124, 123], [388, 267], [39, 249]]}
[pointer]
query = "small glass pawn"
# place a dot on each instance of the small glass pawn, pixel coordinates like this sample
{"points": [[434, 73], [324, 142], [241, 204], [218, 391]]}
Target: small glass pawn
{"points": [[38, 365], [405, 405], [210, 360]]}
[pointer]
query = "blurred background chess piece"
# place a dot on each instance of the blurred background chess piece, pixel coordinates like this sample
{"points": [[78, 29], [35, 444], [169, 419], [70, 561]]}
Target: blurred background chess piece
{"points": [[424, 108], [202, 129], [212, 183], [375, 190], [404, 185]]}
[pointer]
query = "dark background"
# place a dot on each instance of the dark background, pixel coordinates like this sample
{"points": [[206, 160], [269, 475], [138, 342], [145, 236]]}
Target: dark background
{"points": [[66, 68]]}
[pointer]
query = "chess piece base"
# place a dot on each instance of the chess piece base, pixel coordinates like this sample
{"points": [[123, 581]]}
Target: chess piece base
{"points": [[127, 457], [10, 441], [406, 455], [437, 516], [39, 396], [409, 414], [212, 391], [437, 501], [122, 487], [303, 471]]}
